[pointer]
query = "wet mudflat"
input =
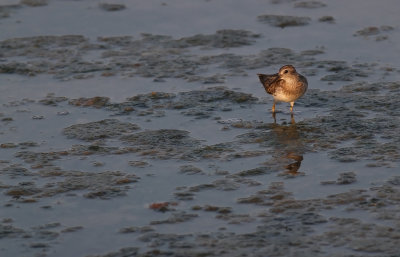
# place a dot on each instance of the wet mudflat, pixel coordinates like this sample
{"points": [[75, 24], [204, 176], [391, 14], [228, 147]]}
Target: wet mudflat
{"points": [[135, 136]]}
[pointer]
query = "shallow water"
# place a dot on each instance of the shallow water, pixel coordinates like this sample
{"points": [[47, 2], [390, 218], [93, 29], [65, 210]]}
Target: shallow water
{"points": [[118, 143]]}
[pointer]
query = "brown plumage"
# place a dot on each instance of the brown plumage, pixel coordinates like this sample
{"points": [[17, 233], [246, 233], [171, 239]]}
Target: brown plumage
{"points": [[285, 86]]}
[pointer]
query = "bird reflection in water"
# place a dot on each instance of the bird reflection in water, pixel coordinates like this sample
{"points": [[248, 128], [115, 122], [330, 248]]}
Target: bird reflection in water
{"points": [[289, 146]]}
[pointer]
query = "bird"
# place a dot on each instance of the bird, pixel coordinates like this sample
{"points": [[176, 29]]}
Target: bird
{"points": [[285, 86]]}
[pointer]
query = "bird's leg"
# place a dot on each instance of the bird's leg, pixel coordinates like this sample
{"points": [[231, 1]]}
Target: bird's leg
{"points": [[291, 106], [273, 107], [274, 117]]}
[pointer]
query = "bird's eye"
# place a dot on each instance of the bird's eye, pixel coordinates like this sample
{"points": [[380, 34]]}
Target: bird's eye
{"points": [[286, 71]]}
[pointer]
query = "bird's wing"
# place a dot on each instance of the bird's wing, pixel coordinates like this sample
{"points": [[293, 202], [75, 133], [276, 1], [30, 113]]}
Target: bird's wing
{"points": [[268, 81], [277, 83], [303, 79]]}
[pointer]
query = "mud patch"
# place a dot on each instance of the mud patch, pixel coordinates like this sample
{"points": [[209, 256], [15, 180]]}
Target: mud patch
{"points": [[190, 170], [153, 56], [252, 189], [7, 10], [327, 19], [283, 21], [164, 143], [99, 129], [309, 4], [379, 33], [177, 217], [198, 103], [294, 229], [103, 185], [111, 7], [362, 113], [40, 237], [149, 56]]}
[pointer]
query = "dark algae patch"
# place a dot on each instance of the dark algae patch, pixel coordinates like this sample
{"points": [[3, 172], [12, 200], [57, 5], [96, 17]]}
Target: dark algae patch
{"points": [[99, 129], [164, 143], [283, 20], [151, 56], [198, 103], [309, 4], [290, 226], [360, 113], [103, 185], [111, 7]]}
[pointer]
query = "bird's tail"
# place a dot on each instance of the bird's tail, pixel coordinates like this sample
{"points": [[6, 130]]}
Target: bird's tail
{"points": [[262, 77], [267, 81]]}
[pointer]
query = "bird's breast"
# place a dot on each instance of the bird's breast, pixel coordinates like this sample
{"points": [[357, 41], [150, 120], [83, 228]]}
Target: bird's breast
{"points": [[290, 91]]}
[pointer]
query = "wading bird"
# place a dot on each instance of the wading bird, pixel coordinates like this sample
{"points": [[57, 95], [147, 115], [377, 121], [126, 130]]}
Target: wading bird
{"points": [[285, 86]]}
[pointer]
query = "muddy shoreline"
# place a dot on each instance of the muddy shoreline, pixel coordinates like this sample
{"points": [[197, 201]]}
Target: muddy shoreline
{"points": [[162, 144]]}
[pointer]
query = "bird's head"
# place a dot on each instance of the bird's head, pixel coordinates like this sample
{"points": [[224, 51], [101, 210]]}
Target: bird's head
{"points": [[286, 70]]}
